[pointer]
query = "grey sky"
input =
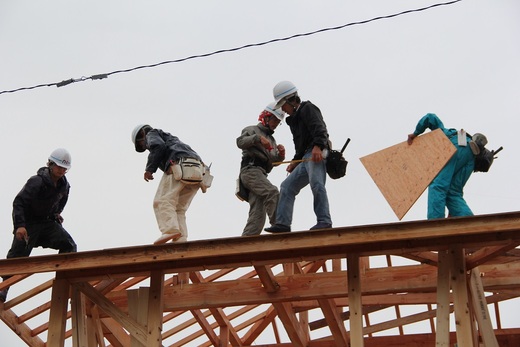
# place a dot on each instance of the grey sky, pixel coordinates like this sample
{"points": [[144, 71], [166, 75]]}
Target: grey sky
{"points": [[372, 83]]}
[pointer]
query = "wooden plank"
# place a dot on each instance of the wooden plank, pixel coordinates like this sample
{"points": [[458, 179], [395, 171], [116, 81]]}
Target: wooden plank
{"points": [[290, 323], [463, 321], [155, 308], [79, 319], [135, 329], [137, 310], [354, 295], [206, 327], [21, 329], [116, 335], [209, 254], [481, 310], [400, 279], [334, 322], [221, 318], [402, 172], [58, 313], [99, 336], [442, 336], [267, 278]]}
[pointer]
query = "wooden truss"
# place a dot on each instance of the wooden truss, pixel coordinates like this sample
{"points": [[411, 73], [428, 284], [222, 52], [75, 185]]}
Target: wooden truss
{"points": [[315, 288]]}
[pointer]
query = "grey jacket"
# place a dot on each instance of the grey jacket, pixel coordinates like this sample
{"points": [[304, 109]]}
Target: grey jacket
{"points": [[252, 149]]}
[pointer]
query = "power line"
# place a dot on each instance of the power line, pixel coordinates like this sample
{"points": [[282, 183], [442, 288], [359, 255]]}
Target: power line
{"points": [[105, 75]]}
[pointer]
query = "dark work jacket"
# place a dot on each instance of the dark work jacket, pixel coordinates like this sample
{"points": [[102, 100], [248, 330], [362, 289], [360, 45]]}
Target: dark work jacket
{"points": [[165, 148], [39, 199], [308, 129]]}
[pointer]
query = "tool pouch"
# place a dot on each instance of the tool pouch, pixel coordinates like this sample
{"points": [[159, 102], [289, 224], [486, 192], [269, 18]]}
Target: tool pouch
{"points": [[188, 170]]}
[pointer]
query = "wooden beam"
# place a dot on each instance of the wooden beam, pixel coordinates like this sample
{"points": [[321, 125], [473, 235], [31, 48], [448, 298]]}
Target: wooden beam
{"points": [[97, 328], [138, 309], [135, 329], [267, 278], [481, 310], [79, 319], [393, 238], [354, 294], [442, 337], [463, 321], [21, 329], [398, 279], [58, 314], [334, 322], [155, 309], [206, 327], [290, 323]]}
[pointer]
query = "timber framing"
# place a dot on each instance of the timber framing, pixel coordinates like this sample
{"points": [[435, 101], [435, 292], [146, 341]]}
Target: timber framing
{"points": [[307, 288]]}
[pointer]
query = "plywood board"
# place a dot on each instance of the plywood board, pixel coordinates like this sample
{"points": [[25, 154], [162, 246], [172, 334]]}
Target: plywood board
{"points": [[402, 172]]}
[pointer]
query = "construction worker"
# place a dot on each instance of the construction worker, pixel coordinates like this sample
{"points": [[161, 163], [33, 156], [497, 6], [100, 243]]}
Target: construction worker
{"points": [[446, 190], [311, 141], [259, 151], [37, 211], [183, 176]]}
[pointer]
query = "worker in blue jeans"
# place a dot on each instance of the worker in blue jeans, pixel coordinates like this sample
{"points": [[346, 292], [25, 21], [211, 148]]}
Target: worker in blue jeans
{"points": [[308, 167], [446, 190]]}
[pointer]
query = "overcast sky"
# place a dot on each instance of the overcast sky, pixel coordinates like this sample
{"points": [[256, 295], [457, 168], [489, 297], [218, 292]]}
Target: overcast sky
{"points": [[372, 83]]}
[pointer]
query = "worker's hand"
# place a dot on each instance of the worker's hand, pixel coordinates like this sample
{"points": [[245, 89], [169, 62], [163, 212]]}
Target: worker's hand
{"points": [[410, 138], [317, 154], [148, 176], [265, 143], [291, 167], [21, 234], [281, 151]]}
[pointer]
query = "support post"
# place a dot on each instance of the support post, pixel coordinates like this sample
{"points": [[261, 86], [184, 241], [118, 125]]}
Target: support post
{"points": [[58, 312], [354, 297]]}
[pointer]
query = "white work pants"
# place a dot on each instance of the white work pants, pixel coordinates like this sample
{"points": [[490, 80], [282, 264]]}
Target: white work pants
{"points": [[170, 204]]}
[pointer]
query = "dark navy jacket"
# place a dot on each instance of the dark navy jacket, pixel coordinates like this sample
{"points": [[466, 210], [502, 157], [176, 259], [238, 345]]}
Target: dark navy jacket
{"points": [[165, 148], [40, 199], [308, 129]]}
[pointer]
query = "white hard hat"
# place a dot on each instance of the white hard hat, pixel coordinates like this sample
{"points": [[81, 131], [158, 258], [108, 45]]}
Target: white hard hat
{"points": [[282, 91], [135, 132], [277, 112], [61, 157]]}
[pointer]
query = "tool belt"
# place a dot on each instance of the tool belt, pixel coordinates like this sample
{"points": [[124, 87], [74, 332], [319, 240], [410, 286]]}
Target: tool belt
{"points": [[248, 161], [188, 170]]}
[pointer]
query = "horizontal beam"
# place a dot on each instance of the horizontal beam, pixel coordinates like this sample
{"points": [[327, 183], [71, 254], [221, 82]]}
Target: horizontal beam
{"points": [[392, 238], [323, 285]]}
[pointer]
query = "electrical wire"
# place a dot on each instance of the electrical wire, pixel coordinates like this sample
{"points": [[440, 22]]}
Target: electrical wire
{"points": [[105, 75]]}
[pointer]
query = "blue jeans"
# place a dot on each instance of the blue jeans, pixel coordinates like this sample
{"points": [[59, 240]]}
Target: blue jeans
{"points": [[307, 172]]}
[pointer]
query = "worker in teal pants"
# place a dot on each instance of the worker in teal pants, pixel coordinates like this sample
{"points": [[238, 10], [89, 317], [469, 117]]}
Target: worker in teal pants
{"points": [[446, 190]]}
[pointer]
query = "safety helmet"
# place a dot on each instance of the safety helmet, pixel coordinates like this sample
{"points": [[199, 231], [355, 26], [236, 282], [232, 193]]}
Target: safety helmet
{"points": [[136, 132], [61, 157], [282, 91], [277, 112]]}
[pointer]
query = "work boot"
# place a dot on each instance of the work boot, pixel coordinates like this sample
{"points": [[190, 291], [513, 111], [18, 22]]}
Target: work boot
{"points": [[278, 228], [3, 294], [321, 225], [167, 237]]}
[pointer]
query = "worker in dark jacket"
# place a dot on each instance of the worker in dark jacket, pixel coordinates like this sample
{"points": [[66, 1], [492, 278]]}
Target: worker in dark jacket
{"points": [[183, 176], [311, 142], [37, 211], [259, 151]]}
